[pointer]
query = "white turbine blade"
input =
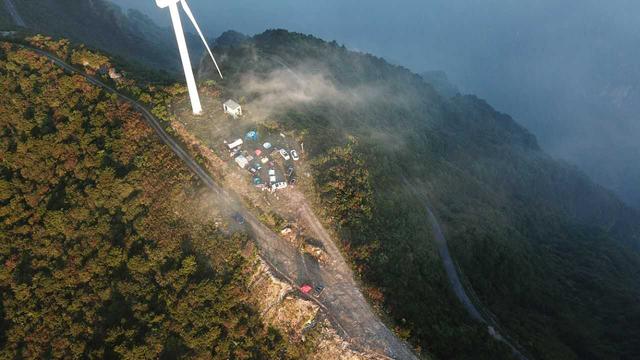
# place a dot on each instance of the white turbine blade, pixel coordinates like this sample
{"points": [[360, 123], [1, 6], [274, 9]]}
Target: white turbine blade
{"points": [[187, 10], [186, 60]]}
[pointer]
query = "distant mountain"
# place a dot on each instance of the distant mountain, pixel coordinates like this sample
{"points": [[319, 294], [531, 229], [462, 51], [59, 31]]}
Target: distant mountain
{"points": [[440, 81], [553, 256], [103, 25], [231, 38]]}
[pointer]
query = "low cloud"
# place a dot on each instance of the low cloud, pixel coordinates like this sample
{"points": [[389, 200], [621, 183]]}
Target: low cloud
{"points": [[287, 88]]}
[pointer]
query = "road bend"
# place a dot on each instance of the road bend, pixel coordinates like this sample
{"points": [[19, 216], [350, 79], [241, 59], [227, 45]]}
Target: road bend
{"points": [[454, 277]]}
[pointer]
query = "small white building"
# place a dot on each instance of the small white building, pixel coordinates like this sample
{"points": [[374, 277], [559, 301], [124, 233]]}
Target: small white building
{"points": [[232, 108], [242, 161]]}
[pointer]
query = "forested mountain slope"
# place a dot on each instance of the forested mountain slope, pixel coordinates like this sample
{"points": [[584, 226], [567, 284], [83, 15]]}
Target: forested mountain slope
{"points": [[552, 255], [108, 248], [103, 25]]}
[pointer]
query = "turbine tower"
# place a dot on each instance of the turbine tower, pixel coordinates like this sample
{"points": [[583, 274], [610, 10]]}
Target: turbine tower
{"points": [[184, 51]]}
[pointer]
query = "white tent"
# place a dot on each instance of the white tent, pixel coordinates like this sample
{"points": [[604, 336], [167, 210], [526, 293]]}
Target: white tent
{"points": [[235, 144], [242, 161]]}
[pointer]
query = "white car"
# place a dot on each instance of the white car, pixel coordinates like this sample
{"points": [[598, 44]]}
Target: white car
{"points": [[280, 185], [285, 154], [294, 155], [272, 172]]}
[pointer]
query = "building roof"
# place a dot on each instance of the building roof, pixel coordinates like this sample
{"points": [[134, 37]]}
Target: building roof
{"points": [[232, 105]]}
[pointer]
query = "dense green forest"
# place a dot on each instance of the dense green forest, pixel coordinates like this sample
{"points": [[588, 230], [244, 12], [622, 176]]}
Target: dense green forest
{"points": [[107, 250], [553, 256]]}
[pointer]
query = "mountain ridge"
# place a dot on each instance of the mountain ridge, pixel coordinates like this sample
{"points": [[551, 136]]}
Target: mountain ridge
{"points": [[509, 210], [545, 249], [130, 35]]}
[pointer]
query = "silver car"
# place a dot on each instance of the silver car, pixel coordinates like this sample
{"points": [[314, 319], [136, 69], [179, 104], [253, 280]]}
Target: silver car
{"points": [[285, 154]]}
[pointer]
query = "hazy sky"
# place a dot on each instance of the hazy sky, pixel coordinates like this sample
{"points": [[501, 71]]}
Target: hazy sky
{"points": [[567, 70]]}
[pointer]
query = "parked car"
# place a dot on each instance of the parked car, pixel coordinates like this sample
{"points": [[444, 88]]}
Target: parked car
{"points": [[290, 170], [266, 145], [238, 218], [285, 154], [279, 185], [294, 155], [272, 172], [305, 289]]}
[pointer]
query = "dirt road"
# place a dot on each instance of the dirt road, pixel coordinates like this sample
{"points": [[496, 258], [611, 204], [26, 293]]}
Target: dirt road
{"points": [[454, 278], [343, 297]]}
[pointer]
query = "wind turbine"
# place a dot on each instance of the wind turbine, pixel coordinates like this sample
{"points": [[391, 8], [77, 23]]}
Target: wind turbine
{"points": [[184, 51]]}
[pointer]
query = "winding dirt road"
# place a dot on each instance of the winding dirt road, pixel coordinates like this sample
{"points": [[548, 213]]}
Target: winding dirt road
{"points": [[454, 278], [344, 298]]}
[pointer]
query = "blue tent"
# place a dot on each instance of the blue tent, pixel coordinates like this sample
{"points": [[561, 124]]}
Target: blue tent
{"points": [[251, 135]]}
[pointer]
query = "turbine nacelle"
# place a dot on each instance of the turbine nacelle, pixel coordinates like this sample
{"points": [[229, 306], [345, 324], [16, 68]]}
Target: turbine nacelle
{"points": [[164, 3]]}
